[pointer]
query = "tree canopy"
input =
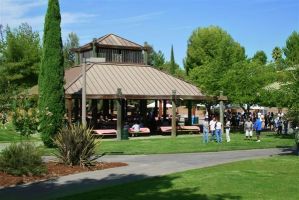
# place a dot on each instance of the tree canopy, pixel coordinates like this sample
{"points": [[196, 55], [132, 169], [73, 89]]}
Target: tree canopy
{"points": [[71, 42], [291, 50], [211, 53], [260, 57], [20, 57]]}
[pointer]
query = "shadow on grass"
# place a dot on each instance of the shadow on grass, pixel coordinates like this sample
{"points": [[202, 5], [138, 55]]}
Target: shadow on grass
{"points": [[113, 187], [158, 188]]}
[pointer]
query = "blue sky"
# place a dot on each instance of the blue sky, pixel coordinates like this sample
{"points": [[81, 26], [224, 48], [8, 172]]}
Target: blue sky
{"points": [[255, 24]]}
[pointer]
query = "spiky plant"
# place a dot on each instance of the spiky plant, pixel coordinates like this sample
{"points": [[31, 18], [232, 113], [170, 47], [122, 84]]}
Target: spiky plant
{"points": [[76, 146]]}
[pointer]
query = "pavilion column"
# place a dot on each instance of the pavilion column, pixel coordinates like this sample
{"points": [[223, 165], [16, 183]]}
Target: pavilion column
{"points": [[156, 108], [189, 105], [119, 114], [160, 108], [164, 109], [69, 110], [221, 110], [173, 120]]}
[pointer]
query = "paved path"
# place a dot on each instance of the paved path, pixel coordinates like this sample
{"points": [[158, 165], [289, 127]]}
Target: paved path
{"points": [[140, 167]]}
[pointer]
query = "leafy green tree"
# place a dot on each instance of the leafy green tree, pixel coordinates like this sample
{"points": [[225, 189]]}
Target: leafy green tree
{"points": [[244, 83], [291, 50], [260, 57], [211, 53], [69, 56], [51, 76], [158, 59], [20, 57]]}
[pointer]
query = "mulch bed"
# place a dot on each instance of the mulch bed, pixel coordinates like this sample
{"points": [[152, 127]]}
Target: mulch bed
{"points": [[54, 170]]}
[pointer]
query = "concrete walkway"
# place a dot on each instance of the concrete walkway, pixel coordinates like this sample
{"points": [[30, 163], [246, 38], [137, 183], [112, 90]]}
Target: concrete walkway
{"points": [[139, 167]]}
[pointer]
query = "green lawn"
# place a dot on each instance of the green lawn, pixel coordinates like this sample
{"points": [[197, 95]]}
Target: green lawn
{"points": [[270, 178], [10, 135], [191, 144]]}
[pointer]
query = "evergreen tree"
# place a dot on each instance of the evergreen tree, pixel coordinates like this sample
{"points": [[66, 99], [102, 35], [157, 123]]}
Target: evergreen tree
{"points": [[69, 56], [51, 76], [291, 51], [260, 57], [172, 61]]}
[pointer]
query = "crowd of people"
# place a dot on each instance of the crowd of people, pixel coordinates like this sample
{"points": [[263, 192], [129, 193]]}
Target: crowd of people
{"points": [[250, 123]]}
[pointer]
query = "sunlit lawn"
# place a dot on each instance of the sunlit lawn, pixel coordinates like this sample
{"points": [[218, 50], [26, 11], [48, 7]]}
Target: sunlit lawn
{"points": [[269, 178], [191, 144], [166, 144], [10, 135]]}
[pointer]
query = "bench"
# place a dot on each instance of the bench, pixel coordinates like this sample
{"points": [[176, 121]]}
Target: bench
{"points": [[105, 132], [167, 129], [142, 131]]}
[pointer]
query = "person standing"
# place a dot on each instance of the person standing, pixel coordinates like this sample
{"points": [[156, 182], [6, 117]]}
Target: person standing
{"points": [[227, 130], [218, 131], [258, 128], [212, 127], [206, 130], [248, 127], [279, 126]]}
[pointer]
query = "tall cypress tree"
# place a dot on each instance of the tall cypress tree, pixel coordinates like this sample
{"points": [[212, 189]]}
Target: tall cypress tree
{"points": [[51, 76], [172, 61]]}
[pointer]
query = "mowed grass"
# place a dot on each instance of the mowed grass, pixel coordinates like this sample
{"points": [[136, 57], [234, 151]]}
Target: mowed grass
{"points": [[10, 135], [269, 178], [183, 144]]}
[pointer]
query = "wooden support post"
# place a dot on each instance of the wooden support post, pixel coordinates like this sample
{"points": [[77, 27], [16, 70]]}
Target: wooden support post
{"points": [[69, 110], [221, 107], [189, 105], [164, 109], [156, 108], [77, 58], [160, 108], [173, 121], [119, 114]]}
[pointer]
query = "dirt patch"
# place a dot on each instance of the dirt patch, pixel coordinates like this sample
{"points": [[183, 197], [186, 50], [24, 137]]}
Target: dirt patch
{"points": [[54, 170]]}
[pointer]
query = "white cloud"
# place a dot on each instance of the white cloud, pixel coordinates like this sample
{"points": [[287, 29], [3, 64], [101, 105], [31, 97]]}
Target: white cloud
{"points": [[15, 12]]}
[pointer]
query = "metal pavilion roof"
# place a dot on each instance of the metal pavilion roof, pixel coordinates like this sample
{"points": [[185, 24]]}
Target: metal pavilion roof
{"points": [[135, 81]]}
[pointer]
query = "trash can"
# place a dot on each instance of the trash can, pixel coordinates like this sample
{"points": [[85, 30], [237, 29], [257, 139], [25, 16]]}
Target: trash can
{"points": [[125, 134]]}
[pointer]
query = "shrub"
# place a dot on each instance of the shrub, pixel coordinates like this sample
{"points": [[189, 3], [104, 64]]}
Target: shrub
{"points": [[22, 159], [76, 145], [25, 115]]}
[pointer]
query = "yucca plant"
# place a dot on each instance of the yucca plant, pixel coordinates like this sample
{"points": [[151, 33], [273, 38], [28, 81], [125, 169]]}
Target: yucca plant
{"points": [[76, 146]]}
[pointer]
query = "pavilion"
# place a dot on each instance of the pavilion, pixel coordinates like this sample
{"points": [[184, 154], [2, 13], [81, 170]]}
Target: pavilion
{"points": [[122, 74]]}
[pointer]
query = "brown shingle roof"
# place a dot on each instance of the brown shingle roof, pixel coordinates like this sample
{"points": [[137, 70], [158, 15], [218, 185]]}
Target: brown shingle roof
{"points": [[111, 41], [136, 82]]}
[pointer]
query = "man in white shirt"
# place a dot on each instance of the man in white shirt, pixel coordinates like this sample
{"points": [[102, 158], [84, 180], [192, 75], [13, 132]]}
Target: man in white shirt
{"points": [[212, 127], [218, 131]]}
